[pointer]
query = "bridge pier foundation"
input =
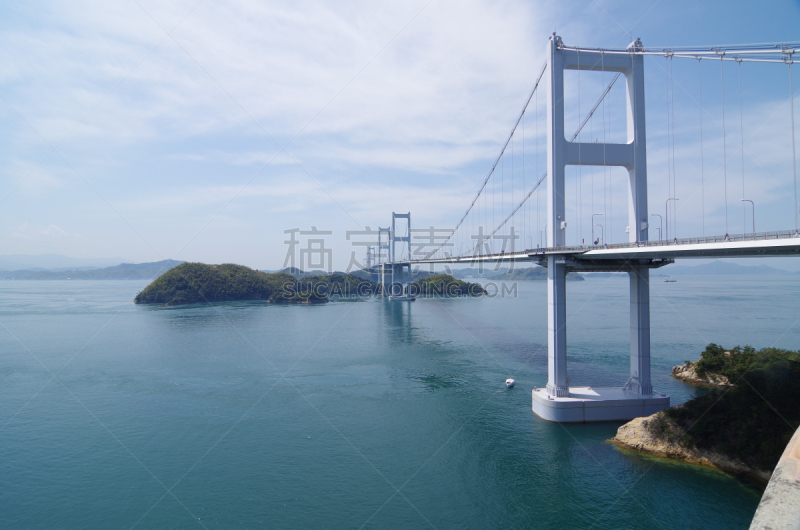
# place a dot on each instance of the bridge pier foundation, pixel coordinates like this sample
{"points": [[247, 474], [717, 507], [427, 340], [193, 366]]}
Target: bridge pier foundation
{"points": [[400, 277]]}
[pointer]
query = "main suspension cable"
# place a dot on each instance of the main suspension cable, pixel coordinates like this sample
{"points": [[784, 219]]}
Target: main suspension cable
{"points": [[794, 155], [724, 147], [702, 160], [539, 182], [741, 128], [500, 156]]}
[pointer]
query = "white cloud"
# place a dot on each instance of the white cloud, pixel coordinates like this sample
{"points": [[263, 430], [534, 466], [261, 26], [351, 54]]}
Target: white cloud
{"points": [[282, 67], [390, 106]]}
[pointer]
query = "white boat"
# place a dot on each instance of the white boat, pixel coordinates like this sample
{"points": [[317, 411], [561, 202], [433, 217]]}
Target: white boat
{"points": [[510, 383], [670, 279], [402, 298]]}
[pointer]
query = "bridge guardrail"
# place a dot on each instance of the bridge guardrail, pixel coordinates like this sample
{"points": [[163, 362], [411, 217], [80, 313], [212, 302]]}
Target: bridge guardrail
{"points": [[754, 236]]}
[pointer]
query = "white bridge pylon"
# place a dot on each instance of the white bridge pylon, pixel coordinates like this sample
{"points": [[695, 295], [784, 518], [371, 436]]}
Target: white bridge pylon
{"points": [[558, 401]]}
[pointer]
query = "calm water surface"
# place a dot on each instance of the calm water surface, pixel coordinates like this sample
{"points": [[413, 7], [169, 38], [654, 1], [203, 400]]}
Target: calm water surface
{"points": [[352, 414]]}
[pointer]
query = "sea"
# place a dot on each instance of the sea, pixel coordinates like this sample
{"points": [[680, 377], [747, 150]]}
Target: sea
{"points": [[352, 414]]}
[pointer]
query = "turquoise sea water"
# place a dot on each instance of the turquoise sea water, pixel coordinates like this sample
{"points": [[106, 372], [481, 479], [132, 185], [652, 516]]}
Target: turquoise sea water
{"points": [[352, 414]]}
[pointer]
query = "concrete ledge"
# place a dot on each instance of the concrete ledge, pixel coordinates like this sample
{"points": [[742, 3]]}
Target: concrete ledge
{"points": [[780, 504], [597, 404]]}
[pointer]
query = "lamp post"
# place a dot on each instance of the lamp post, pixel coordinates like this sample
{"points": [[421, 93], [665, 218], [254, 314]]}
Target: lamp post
{"points": [[666, 213], [754, 213], [660, 224], [602, 238], [593, 225]]}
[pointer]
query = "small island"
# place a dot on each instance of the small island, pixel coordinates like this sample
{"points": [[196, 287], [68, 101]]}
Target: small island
{"points": [[743, 423], [444, 285], [192, 283], [195, 283]]}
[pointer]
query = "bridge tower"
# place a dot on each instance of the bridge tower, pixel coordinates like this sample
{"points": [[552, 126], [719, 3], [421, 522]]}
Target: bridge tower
{"points": [[401, 272], [382, 258], [559, 401]]}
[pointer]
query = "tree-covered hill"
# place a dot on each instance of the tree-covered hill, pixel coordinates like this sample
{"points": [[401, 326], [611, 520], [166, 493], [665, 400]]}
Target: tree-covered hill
{"points": [[444, 285], [339, 284], [191, 283], [751, 421]]}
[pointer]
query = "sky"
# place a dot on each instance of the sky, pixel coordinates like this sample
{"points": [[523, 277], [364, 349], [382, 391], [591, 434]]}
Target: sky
{"points": [[205, 130]]}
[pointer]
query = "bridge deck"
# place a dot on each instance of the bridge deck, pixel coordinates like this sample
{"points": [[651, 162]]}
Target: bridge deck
{"points": [[783, 243]]}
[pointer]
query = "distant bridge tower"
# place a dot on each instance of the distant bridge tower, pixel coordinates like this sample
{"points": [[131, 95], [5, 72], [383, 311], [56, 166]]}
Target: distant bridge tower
{"points": [[383, 257], [401, 272], [558, 401]]}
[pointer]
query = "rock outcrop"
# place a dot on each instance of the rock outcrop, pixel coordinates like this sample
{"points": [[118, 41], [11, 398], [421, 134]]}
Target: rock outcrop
{"points": [[658, 436], [688, 374]]}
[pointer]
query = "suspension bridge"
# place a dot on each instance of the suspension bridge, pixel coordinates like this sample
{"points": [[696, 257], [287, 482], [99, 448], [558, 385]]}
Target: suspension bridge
{"points": [[509, 199]]}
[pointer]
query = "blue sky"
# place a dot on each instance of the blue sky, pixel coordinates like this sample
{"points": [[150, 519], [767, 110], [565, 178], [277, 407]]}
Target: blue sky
{"points": [[201, 131]]}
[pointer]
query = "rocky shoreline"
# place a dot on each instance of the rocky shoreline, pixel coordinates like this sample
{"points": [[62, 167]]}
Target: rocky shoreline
{"points": [[741, 429], [657, 435], [688, 374]]}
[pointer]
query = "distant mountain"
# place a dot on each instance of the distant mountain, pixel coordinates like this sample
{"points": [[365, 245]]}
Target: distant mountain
{"points": [[530, 274], [475, 272], [53, 262], [124, 271], [721, 268]]}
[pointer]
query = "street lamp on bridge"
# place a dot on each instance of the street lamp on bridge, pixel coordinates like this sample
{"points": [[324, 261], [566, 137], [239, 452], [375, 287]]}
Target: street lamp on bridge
{"points": [[602, 238], [754, 213], [593, 225], [660, 224], [666, 213]]}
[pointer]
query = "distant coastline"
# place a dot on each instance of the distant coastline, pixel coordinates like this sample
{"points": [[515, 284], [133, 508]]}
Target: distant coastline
{"points": [[535, 273], [721, 268], [123, 271]]}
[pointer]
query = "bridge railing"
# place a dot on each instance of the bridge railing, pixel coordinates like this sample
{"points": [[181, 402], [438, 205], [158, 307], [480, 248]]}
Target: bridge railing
{"points": [[699, 240], [753, 236]]}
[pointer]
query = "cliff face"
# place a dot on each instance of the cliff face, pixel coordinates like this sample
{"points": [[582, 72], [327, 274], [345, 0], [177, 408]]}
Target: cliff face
{"points": [[688, 374], [659, 436]]}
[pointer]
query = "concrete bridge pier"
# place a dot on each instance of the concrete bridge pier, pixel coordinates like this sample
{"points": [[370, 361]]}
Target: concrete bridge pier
{"points": [[560, 402], [639, 381], [557, 382], [401, 273]]}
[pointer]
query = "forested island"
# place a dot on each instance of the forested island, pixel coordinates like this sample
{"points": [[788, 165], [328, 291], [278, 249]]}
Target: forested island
{"points": [[192, 283], [444, 285], [741, 426]]}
